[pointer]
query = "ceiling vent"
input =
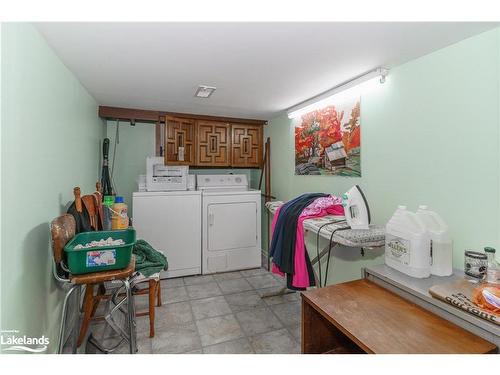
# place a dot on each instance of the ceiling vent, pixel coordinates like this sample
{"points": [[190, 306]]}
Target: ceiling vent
{"points": [[204, 91]]}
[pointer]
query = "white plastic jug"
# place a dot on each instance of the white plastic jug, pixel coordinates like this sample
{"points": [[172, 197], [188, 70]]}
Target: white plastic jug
{"points": [[407, 244], [441, 243]]}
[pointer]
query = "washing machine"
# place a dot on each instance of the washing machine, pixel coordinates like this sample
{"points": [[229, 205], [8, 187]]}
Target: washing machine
{"points": [[231, 223], [171, 222]]}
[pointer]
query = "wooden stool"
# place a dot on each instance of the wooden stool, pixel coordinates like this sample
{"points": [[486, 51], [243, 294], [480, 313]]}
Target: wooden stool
{"points": [[62, 230], [93, 204]]}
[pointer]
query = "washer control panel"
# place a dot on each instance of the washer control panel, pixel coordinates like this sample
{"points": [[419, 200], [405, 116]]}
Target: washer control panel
{"points": [[221, 181]]}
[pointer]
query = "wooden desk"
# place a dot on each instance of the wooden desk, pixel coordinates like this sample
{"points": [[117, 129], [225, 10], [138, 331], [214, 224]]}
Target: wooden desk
{"points": [[362, 317]]}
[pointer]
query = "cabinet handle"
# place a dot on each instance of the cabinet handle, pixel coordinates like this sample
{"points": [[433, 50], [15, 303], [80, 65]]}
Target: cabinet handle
{"points": [[213, 146], [211, 219], [245, 146]]}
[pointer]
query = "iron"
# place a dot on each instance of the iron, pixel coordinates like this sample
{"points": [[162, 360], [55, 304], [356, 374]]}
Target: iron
{"points": [[357, 212]]}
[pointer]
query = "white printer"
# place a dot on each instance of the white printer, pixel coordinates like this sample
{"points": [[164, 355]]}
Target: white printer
{"points": [[161, 177]]}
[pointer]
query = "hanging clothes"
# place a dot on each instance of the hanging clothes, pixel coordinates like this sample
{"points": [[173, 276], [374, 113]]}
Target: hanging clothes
{"points": [[282, 248], [289, 229], [278, 219], [278, 233], [329, 205], [288, 236]]}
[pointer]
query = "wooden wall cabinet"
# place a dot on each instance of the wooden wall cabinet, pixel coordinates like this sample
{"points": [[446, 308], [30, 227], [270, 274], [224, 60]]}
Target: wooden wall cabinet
{"points": [[214, 144], [246, 148], [180, 133], [211, 143]]}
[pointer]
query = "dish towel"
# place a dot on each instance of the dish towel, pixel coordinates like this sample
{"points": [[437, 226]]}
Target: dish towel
{"points": [[148, 261]]}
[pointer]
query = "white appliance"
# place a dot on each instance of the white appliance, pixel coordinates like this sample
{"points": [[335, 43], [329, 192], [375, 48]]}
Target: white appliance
{"points": [[141, 182], [161, 177], [191, 184], [231, 223], [357, 212], [171, 222]]}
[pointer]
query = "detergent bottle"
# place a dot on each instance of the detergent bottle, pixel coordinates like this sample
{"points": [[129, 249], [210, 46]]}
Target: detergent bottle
{"points": [[107, 206], [407, 244], [441, 245], [119, 220]]}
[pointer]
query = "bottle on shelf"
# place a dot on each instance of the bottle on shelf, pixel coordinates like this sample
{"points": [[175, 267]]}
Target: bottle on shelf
{"points": [[441, 243], [493, 268], [107, 211], [407, 244], [119, 220]]}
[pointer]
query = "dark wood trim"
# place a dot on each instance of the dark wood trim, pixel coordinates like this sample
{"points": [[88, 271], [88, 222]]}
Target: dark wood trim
{"points": [[216, 118], [139, 115], [143, 115], [158, 138]]}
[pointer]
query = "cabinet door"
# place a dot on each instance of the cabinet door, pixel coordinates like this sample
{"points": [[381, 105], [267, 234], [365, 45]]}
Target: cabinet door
{"points": [[213, 143], [180, 133], [246, 145]]}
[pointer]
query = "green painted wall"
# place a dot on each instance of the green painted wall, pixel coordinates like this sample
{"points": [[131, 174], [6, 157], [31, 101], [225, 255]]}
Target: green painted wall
{"points": [[430, 135], [135, 144], [50, 143]]}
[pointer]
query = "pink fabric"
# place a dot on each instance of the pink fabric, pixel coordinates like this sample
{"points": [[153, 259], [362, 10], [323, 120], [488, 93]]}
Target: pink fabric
{"points": [[323, 206], [327, 205], [275, 218], [275, 269], [320, 207]]}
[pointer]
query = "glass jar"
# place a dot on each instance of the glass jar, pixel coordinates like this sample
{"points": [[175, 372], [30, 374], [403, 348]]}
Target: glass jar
{"points": [[475, 265], [493, 268]]}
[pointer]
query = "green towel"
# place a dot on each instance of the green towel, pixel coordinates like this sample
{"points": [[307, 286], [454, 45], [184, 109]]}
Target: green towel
{"points": [[148, 261]]}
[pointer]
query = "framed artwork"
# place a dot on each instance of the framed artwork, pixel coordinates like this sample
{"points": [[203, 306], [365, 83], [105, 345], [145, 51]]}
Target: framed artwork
{"points": [[328, 140]]}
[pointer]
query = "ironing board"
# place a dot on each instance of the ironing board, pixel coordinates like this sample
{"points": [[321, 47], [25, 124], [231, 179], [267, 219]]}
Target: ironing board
{"points": [[337, 232]]}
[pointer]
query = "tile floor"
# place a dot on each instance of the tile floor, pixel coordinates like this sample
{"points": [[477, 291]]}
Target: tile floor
{"points": [[220, 313]]}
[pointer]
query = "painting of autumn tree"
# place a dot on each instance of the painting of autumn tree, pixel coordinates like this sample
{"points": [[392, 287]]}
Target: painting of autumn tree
{"points": [[328, 140]]}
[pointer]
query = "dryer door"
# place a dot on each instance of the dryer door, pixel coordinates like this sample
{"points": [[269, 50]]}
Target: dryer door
{"points": [[232, 226]]}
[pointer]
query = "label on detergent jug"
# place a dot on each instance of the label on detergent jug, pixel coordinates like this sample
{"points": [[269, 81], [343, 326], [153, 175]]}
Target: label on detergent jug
{"points": [[397, 249], [101, 258]]}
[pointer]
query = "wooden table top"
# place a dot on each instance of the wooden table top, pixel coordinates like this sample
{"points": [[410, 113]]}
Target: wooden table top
{"points": [[380, 321]]}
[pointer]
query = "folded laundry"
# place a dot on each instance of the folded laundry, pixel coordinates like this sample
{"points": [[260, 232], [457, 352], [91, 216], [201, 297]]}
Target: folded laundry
{"points": [[287, 247], [103, 242]]}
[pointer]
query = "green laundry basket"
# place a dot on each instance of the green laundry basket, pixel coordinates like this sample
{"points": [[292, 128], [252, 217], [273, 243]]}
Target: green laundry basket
{"points": [[104, 258]]}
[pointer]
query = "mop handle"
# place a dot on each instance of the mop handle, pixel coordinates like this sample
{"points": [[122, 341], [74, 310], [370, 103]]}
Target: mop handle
{"points": [[105, 151]]}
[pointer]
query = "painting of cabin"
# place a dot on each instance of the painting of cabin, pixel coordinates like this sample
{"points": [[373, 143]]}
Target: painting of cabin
{"points": [[328, 140], [334, 156]]}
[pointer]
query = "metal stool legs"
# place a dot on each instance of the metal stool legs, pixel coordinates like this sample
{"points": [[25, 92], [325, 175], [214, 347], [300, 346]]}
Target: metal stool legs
{"points": [[129, 313], [64, 314], [130, 316], [127, 334]]}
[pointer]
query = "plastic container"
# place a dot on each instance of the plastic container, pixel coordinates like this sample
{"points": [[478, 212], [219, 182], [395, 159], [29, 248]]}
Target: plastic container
{"points": [[119, 220], [441, 245], [475, 265], [407, 244], [493, 268], [103, 258]]}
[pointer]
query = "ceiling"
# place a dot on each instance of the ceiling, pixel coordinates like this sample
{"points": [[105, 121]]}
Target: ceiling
{"points": [[259, 69]]}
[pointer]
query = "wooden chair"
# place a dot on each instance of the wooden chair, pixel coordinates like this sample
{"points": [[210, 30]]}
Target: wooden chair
{"points": [[62, 230], [93, 204]]}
